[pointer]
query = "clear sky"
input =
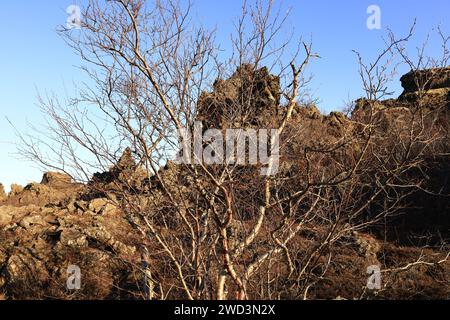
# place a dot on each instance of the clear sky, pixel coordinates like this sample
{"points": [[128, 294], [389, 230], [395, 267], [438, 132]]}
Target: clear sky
{"points": [[33, 57]]}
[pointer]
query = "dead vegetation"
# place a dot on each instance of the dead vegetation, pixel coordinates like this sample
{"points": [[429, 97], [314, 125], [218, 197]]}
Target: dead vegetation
{"points": [[352, 191]]}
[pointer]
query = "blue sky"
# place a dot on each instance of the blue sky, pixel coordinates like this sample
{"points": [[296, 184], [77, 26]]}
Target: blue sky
{"points": [[33, 57]]}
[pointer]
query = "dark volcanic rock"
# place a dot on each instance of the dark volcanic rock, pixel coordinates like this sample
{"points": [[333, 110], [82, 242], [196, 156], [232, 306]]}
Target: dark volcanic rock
{"points": [[426, 79], [56, 179], [2, 192], [47, 226], [248, 97]]}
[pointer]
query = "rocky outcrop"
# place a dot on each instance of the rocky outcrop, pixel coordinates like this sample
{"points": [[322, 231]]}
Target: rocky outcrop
{"points": [[223, 108], [125, 174], [429, 79], [40, 238], [56, 179], [42, 194], [2, 192], [48, 226], [15, 189]]}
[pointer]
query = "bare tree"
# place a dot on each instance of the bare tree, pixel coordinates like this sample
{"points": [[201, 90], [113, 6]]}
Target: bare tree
{"points": [[219, 231]]}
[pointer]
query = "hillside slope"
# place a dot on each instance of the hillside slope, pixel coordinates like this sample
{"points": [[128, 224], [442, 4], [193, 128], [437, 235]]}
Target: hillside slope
{"points": [[46, 227]]}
